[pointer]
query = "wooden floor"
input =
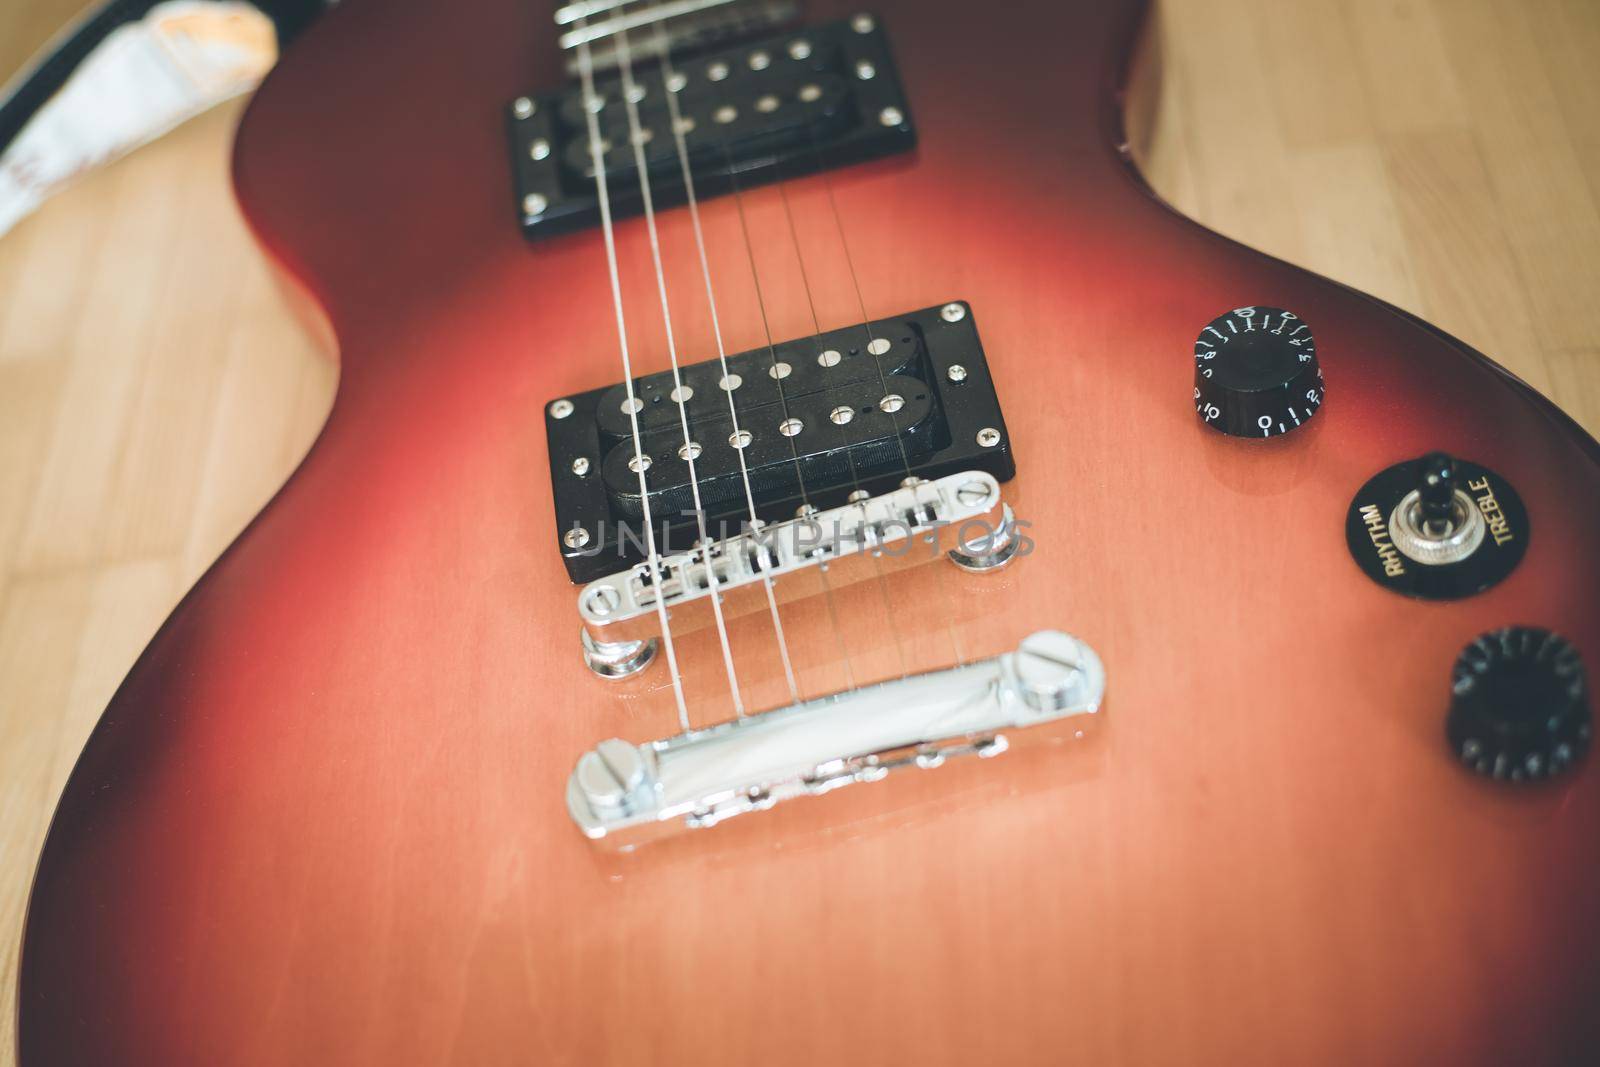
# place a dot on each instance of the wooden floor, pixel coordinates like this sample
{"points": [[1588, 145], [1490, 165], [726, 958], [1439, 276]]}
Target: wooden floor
{"points": [[154, 389]]}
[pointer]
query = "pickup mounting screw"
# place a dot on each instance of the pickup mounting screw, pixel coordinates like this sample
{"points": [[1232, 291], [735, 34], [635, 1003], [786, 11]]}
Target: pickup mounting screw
{"points": [[560, 409], [539, 149], [639, 464], [841, 415], [862, 24], [767, 104], [682, 394], [740, 438], [576, 537], [878, 346], [956, 373], [891, 403], [730, 382], [632, 406], [779, 370], [635, 94], [580, 466], [858, 496], [830, 358], [790, 427], [800, 49], [952, 313], [866, 71], [810, 93], [891, 116], [522, 107], [725, 114], [988, 437], [534, 204], [689, 451], [677, 81], [760, 61], [717, 71]]}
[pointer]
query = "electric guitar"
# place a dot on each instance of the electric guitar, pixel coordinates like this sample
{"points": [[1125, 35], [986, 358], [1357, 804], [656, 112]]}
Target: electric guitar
{"points": [[810, 558]]}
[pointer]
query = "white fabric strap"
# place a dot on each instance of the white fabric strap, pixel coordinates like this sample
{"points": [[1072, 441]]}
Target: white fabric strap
{"points": [[146, 77]]}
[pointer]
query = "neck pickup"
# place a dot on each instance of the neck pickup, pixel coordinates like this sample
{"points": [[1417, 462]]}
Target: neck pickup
{"points": [[683, 26], [784, 106]]}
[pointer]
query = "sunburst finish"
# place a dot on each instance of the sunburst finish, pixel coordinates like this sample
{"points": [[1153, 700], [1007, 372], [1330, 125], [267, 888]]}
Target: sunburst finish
{"points": [[323, 819]]}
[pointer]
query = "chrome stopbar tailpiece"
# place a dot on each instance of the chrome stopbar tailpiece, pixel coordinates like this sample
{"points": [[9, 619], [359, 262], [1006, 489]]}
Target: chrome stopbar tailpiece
{"points": [[627, 793], [884, 524]]}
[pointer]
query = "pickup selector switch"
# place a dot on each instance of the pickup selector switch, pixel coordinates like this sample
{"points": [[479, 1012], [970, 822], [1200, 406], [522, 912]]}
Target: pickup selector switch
{"points": [[1519, 708], [1256, 373], [1438, 527]]}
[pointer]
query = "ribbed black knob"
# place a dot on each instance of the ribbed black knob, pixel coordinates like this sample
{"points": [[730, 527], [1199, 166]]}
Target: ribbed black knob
{"points": [[1256, 373], [1519, 706]]}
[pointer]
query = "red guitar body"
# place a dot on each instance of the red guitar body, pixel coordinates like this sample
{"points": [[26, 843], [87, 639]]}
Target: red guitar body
{"points": [[323, 821]]}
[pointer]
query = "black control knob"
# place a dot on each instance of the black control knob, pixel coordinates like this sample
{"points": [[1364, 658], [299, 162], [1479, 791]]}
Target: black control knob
{"points": [[1519, 707], [1256, 373]]}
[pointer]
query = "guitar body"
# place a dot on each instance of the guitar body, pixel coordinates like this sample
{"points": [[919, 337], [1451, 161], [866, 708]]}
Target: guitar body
{"points": [[323, 821]]}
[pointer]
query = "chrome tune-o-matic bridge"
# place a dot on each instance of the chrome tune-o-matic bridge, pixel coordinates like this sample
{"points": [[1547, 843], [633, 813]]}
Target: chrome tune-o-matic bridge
{"points": [[960, 515], [626, 792]]}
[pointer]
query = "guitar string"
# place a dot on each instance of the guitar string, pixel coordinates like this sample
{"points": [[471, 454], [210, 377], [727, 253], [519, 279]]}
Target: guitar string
{"points": [[679, 393], [822, 573], [894, 422], [669, 78], [766, 326], [844, 436], [592, 121], [941, 581]]}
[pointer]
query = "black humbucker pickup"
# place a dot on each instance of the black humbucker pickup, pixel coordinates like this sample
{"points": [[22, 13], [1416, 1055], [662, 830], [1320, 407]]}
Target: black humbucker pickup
{"points": [[853, 410], [793, 104]]}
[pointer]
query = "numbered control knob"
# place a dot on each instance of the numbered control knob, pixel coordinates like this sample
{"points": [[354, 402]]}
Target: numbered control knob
{"points": [[1519, 709], [1256, 373]]}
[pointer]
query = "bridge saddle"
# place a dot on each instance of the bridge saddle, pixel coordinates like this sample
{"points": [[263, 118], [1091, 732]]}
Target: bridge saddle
{"points": [[891, 527]]}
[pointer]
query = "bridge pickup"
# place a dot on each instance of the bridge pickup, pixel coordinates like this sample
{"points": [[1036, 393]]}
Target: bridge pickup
{"points": [[629, 793], [781, 107], [850, 413]]}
